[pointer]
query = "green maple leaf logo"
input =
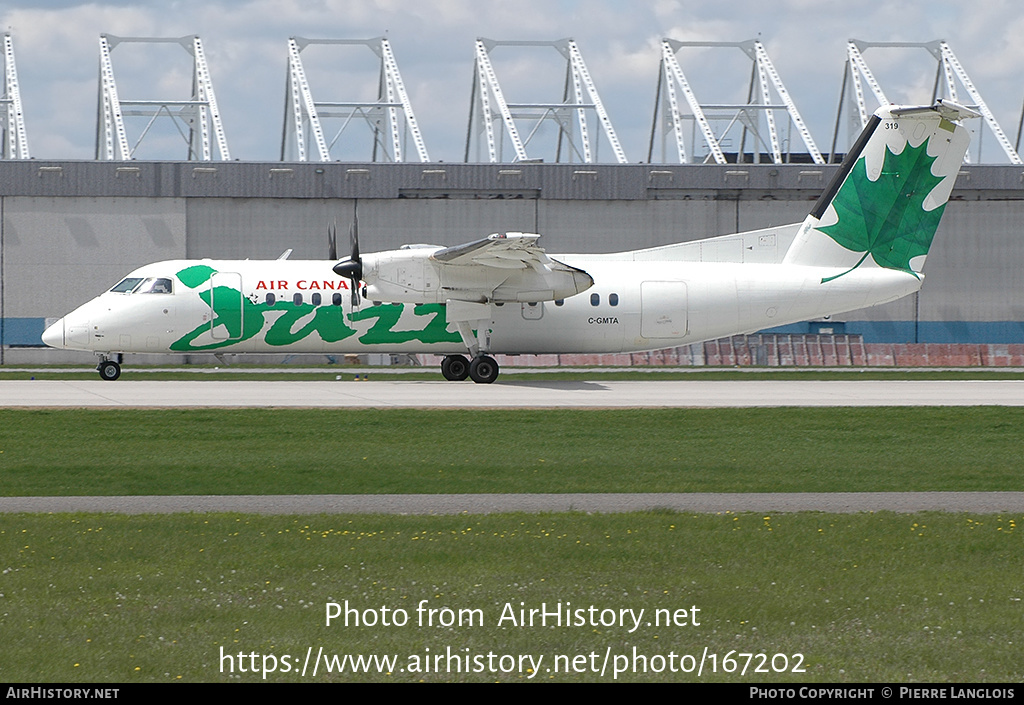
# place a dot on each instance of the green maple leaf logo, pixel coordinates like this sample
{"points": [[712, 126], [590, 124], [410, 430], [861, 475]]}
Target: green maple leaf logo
{"points": [[886, 218]]}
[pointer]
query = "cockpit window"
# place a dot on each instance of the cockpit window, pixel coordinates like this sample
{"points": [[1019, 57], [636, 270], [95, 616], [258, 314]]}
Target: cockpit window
{"points": [[155, 286], [127, 285]]}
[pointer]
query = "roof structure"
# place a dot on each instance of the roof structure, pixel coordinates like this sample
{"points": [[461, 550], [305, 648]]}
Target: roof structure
{"points": [[196, 118], [700, 130], [12, 115], [493, 119], [855, 106], [390, 118]]}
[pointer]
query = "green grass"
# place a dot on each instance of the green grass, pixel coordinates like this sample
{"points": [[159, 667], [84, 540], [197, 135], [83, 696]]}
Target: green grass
{"points": [[880, 597], [869, 597], [278, 451]]}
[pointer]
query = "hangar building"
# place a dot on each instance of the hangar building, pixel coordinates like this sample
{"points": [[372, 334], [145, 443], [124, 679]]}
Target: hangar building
{"points": [[69, 230]]}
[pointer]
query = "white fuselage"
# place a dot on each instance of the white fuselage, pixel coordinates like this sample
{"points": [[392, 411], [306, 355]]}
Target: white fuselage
{"points": [[304, 307]]}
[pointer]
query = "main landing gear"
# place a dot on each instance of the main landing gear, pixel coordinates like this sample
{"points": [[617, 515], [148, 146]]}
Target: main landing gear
{"points": [[109, 369], [482, 370], [455, 368]]}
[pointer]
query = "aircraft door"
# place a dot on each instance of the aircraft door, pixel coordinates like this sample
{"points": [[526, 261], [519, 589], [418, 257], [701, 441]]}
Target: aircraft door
{"points": [[226, 306], [663, 309], [533, 311], [77, 334]]}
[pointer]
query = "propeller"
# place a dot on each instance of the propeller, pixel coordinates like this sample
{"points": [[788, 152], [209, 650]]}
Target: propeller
{"points": [[332, 241], [352, 267]]}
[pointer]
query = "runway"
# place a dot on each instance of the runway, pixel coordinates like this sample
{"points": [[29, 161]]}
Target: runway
{"points": [[510, 394]]}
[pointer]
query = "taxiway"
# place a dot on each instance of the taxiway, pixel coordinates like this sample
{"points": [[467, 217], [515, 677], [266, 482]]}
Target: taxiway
{"points": [[510, 394]]}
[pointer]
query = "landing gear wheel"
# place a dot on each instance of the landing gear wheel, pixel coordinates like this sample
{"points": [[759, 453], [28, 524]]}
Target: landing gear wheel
{"points": [[109, 370], [483, 369], [455, 368]]}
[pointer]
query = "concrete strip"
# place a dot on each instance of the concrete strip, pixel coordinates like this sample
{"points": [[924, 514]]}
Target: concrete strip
{"points": [[511, 394]]}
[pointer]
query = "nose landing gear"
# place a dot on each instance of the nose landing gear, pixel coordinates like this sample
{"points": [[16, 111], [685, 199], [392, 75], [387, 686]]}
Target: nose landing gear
{"points": [[109, 369]]}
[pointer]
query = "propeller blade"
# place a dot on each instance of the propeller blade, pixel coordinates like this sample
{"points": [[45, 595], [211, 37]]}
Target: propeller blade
{"points": [[332, 241], [353, 236], [357, 271], [352, 266]]}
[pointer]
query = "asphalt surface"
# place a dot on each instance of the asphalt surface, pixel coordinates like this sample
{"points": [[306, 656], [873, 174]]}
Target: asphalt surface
{"points": [[510, 394]]}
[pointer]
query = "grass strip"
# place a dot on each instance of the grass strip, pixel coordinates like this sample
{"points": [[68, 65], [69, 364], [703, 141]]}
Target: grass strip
{"points": [[861, 598], [289, 451]]}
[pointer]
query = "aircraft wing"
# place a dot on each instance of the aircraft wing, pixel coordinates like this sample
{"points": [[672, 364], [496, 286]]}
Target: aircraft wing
{"points": [[507, 267], [501, 250], [504, 267]]}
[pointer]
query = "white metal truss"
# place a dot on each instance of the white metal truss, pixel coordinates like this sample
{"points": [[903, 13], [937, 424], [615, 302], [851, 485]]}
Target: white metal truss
{"points": [[766, 94], [673, 76], [486, 82], [765, 66], [859, 69], [390, 118], [951, 63], [15, 141], [580, 72], [197, 118], [949, 71], [300, 113], [580, 97]]}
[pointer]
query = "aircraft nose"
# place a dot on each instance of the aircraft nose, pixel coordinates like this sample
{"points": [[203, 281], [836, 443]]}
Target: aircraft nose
{"points": [[54, 335]]}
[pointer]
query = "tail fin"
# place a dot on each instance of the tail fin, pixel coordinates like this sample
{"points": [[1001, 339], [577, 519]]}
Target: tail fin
{"points": [[885, 203]]}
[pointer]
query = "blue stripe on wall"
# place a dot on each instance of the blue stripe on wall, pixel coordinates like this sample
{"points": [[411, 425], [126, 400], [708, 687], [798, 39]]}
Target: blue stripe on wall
{"points": [[24, 332]]}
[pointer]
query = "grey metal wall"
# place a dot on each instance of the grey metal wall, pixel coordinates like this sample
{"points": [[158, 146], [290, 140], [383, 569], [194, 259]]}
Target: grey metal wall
{"points": [[69, 230], [60, 252]]}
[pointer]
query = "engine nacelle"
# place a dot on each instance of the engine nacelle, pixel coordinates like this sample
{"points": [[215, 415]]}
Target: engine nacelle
{"points": [[499, 268]]}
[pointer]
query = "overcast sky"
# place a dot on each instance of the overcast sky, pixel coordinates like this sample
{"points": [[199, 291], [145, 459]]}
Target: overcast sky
{"points": [[56, 45]]}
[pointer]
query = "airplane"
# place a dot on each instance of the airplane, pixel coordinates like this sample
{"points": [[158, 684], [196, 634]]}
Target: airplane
{"points": [[863, 243]]}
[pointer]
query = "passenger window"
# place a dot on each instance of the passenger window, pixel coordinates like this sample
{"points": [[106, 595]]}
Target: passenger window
{"points": [[297, 299], [336, 299], [271, 299], [317, 299], [559, 302], [595, 299], [613, 299]]}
